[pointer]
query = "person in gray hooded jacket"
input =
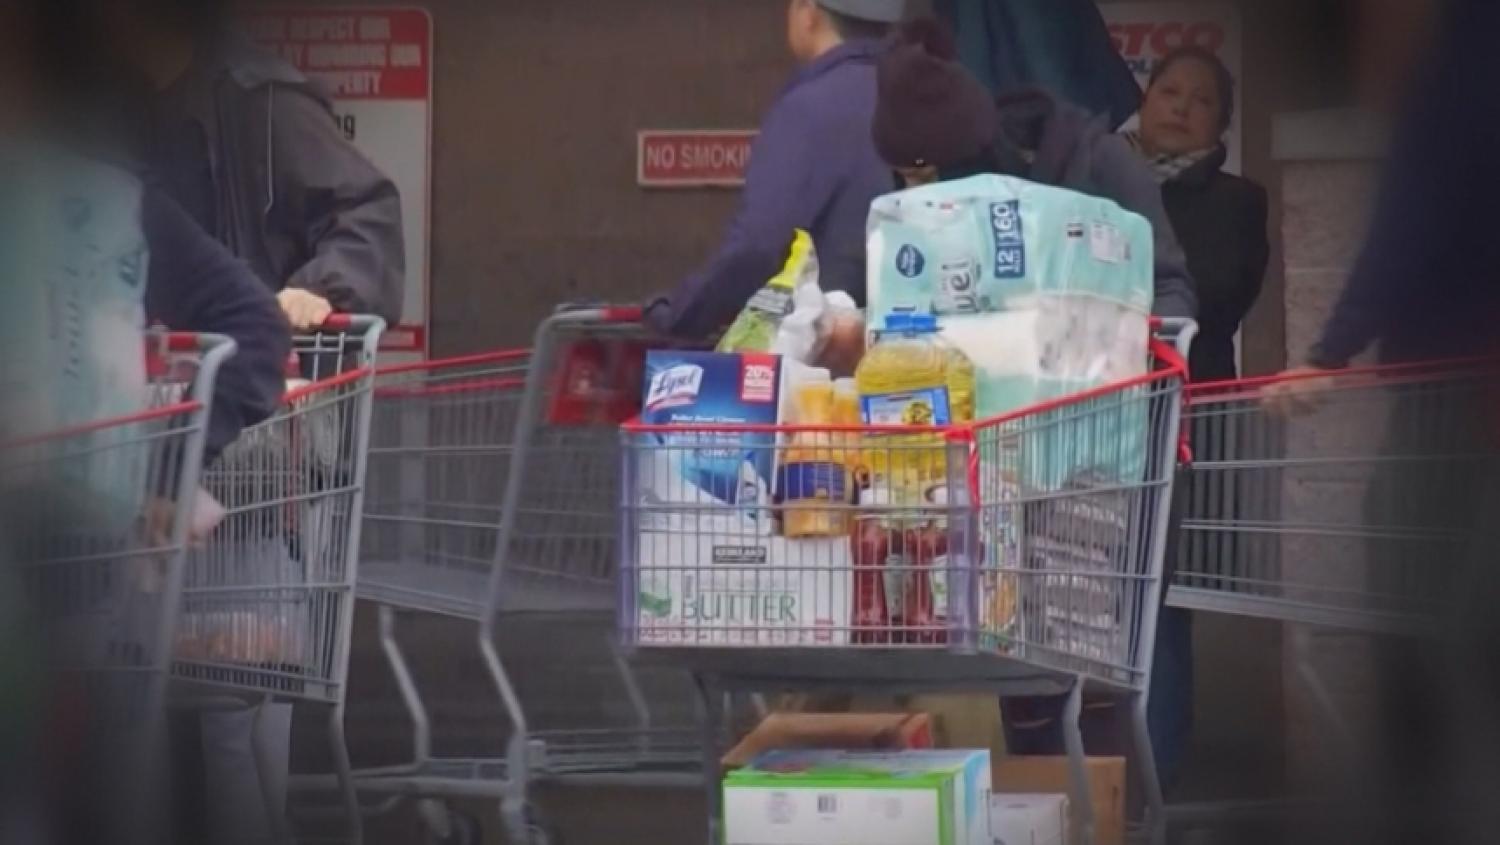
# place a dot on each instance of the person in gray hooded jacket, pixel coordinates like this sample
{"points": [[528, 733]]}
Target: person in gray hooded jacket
{"points": [[248, 146]]}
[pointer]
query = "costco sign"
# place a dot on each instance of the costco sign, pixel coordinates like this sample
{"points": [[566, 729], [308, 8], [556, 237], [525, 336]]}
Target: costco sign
{"points": [[668, 158], [1144, 32], [1143, 42]]}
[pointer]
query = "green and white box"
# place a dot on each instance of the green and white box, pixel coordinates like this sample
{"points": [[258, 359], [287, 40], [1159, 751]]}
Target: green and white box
{"points": [[716, 589], [917, 797]]}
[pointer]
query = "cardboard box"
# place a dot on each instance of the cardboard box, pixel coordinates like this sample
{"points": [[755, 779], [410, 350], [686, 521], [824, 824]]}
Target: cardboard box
{"points": [[1029, 819], [838, 797], [730, 590], [963, 720], [832, 731], [1032, 775]]}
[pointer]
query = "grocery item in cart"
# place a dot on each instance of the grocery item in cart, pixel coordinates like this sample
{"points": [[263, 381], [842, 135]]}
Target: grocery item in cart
{"points": [[756, 328], [813, 481], [873, 798], [1047, 291], [909, 378], [900, 580], [1074, 593], [841, 334], [706, 590], [704, 476], [1040, 819], [240, 607], [598, 382], [240, 637]]}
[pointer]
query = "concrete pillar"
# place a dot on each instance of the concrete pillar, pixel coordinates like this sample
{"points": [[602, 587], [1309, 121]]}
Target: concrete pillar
{"points": [[1329, 169]]}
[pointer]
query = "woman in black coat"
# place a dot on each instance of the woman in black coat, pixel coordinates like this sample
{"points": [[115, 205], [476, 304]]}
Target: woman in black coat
{"points": [[1220, 218], [1221, 223]]}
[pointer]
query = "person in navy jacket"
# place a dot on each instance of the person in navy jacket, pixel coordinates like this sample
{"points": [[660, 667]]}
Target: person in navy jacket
{"points": [[814, 167]]}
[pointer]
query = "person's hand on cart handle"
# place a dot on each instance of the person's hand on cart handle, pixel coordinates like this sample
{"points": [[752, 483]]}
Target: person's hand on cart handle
{"points": [[304, 310], [1296, 392]]}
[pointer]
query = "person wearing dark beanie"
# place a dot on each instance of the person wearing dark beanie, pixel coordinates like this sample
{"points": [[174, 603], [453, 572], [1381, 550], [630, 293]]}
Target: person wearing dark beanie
{"points": [[935, 121], [920, 76]]}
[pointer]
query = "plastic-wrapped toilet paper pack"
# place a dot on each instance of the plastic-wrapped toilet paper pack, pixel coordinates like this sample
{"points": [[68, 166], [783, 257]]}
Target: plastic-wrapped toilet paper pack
{"points": [[74, 259], [1047, 291]]}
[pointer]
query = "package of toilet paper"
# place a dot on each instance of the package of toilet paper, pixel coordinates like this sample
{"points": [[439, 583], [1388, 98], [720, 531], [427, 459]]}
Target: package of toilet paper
{"points": [[74, 259], [1047, 291]]}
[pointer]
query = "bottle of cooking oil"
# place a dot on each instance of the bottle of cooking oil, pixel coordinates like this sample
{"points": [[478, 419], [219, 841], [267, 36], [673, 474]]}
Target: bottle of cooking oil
{"points": [[910, 378]]}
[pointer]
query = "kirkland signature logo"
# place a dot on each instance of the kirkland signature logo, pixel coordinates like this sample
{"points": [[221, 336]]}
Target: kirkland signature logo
{"points": [[674, 387]]}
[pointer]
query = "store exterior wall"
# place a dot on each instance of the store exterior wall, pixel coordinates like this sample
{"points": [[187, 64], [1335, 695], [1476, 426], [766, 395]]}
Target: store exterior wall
{"points": [[539, 102], [536, 108]]}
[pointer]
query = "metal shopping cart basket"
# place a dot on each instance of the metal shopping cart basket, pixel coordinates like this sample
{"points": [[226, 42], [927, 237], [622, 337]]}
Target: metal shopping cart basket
{"points": [[493, 498], [1021, 555], [268, 597], [100, 523], [1338, 504]]}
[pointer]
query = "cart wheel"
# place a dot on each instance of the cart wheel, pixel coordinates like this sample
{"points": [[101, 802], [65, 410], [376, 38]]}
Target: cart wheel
{"points": [[538, 831], [447, 826], [466, 830]]}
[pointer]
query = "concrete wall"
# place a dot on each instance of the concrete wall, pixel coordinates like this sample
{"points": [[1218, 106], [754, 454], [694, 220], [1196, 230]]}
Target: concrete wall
{"points": [[1329, 175]]}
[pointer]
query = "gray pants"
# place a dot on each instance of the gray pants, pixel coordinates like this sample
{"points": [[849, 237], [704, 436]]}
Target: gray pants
{"points": [[238, 809]]}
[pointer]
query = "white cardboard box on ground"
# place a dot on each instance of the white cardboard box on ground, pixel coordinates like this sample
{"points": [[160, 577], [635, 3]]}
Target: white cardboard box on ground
{"points": [[738, 590], [918, 797], [1029, 819]]}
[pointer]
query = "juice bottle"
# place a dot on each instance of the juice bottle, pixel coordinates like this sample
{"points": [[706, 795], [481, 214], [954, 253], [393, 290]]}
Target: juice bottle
{"points": [[848, 453], [872, 549], [925, 586], [814, 486]]}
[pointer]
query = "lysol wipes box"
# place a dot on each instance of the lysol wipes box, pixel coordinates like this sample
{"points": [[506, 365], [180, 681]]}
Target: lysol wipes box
{"points": [[698, 477]]}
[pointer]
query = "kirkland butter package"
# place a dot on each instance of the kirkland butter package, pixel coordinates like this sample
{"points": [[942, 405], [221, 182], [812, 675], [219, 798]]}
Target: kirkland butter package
{"points": [[703, 590]]}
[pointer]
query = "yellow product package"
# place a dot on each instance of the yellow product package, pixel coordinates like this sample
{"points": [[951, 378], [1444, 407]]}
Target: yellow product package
{"points": [[814, 478], [754, 330]]}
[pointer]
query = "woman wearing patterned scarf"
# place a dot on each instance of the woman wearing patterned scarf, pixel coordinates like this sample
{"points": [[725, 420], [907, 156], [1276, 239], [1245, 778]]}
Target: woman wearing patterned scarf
{"points": [[1220, 218], [1221, 222]]}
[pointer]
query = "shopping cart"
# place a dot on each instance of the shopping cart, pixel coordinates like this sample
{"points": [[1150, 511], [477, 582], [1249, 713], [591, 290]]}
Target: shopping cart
{"points": [[1024, 558], [493, 498], [441, 438], [99, 517], [1344, 510], [268, 597]]}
